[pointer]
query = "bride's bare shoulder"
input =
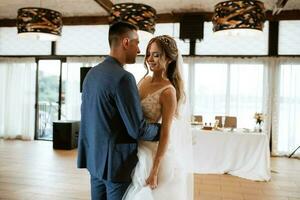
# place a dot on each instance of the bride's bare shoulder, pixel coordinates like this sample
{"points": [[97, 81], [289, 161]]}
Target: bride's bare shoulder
{"points": [[144, 80]]}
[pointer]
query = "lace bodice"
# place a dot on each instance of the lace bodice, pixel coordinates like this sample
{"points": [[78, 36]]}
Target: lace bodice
{"points": [[151, 106]]}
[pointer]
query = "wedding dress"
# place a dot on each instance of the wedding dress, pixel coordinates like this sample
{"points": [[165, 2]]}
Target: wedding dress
{"points": [[175, 182]]}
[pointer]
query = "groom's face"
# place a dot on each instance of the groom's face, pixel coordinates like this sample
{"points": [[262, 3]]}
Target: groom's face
{"points": [[132, 47]]}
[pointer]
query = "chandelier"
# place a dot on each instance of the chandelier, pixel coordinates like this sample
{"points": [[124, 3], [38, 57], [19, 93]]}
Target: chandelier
{"points": [[40, 23], [239, 15], [141, 15]]}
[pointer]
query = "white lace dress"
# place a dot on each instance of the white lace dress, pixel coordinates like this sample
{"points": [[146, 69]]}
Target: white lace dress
{"points": [[171, 181]]}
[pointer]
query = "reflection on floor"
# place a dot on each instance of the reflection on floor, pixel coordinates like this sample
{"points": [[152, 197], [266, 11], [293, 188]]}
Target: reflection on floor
{"points": [[33, 170], [47, 134]]}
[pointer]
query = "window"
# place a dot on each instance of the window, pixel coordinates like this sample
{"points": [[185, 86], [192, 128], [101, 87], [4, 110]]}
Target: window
{"points": [[83, 40], [289, 108], [138, 70], [12, 44], [210, 89], [246, 92], [289, 40], [234, 89], [71, 85], [219, 44]]}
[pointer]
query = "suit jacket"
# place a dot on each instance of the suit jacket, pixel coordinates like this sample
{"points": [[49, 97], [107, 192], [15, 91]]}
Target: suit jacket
{"points": [[111, 122]]}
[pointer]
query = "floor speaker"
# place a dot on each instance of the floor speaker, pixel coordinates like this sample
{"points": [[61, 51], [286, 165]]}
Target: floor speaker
{"points": [[65, 134]]}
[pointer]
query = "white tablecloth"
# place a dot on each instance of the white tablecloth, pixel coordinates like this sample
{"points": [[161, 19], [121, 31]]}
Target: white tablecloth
{"points": [[245, 155]]}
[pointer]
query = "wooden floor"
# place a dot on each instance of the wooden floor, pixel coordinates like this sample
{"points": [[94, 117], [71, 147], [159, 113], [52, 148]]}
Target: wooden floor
{"points": [[34, 171]]}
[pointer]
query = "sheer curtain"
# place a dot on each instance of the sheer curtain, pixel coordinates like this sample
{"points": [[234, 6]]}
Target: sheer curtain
{"points": [[137, 69], [286, 107], [230, 86], [17, 98], [71, 77]]}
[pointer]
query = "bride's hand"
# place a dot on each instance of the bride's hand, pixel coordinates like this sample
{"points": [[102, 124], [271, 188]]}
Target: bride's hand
{"points": [[152, 181]]}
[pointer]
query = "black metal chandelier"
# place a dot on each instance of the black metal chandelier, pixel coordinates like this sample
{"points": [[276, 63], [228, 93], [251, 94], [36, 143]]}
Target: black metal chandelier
{"points": [[40, 23], [141, 15]]}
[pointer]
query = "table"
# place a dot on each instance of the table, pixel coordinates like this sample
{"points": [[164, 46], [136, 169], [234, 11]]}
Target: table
{"points": [[240, 154]]}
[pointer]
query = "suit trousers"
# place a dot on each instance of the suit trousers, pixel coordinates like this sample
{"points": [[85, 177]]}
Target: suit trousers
{"points": [[107, 190]]}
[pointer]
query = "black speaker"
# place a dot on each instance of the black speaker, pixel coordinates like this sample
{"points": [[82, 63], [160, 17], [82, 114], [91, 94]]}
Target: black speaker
{"points": [[191, 27], [65, 134], [83, 73]]}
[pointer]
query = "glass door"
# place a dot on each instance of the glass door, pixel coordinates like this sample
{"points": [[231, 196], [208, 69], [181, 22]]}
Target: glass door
{"points": [[48, 98]]}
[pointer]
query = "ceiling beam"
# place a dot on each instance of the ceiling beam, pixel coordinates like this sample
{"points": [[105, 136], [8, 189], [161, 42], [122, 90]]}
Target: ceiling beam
{"points": [[284, 15], [105, 4], [161, 18], [85, 20]]}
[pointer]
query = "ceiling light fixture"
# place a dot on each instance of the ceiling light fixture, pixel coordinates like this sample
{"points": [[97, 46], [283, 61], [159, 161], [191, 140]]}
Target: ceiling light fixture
{"points": [[39, 23], [239, 16], [141, 15]]}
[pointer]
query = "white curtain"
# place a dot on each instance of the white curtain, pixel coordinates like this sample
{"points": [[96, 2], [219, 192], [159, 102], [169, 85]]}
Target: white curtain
{"points": [[243, 86], [286, 106], [137, 69], [17, 98], [71, 76], [229, 86]]}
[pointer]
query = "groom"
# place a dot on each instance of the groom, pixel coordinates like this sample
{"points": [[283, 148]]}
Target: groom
{"points": [[111, 118]]}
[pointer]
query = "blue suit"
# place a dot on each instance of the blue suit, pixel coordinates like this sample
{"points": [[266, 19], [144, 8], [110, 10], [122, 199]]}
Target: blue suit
{"points": [[111, 123]]}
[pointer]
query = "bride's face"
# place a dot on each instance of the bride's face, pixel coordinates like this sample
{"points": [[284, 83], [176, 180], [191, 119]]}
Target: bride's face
{"points": [[155, 58]]}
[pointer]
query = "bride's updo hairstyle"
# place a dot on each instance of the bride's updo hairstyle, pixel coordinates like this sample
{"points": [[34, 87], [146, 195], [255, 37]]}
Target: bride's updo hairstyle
{"points": [[169, 48]]}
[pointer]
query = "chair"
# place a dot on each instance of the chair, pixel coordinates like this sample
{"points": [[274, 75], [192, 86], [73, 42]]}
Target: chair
{"points": [[230, 122], [219, 118], [198, 118]]}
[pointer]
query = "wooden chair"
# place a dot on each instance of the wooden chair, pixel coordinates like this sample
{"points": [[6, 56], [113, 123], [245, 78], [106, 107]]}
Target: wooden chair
{"points": [[198, 118], [230, 122], [220, 120]]}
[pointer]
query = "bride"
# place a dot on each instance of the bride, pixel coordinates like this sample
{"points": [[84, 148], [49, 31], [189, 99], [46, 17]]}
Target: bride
{"points": [[163, 171]]}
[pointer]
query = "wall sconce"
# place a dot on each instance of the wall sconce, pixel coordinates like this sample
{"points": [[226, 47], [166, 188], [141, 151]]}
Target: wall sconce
{"points": [[141, 15], [40, 23], [239, 15]]}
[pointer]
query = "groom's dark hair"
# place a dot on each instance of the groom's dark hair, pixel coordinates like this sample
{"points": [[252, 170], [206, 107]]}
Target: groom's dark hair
{"points": [[117, 30]]}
